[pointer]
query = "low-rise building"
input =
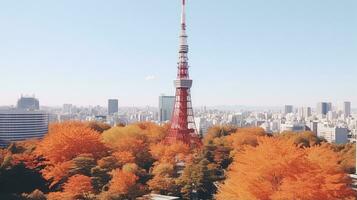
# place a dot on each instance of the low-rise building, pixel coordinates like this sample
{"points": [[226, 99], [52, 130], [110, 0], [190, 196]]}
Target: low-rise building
{"points": [[333, 134]]}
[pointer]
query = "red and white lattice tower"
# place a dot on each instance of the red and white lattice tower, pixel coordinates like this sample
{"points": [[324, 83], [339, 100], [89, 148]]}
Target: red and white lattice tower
{"points": [[183, 126]]}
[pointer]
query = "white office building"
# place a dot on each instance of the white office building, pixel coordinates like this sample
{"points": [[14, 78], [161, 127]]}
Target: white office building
{"points": [[202, 125], [333, 134], [19, 125]]}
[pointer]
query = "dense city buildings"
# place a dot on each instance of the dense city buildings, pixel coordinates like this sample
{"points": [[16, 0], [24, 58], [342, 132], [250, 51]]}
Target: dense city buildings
{"points": [[28, 103], [333, 126], [166, 106], [18, 125], [113, 106]]}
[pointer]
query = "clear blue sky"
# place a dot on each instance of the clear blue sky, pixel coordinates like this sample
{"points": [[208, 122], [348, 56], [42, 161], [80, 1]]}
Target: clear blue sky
{"points": [[254, 52]]}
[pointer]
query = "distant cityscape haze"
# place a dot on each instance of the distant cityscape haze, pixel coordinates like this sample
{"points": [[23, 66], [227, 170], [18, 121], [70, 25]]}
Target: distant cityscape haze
{"points": [[254, 53]]}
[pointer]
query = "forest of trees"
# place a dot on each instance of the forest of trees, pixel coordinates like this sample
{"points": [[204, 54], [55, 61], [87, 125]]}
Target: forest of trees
{"points": [[91, 161]]}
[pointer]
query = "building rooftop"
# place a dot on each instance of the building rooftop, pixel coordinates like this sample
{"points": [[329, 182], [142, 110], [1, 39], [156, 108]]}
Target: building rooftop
{"points": [[19, 111], [158, 197]]}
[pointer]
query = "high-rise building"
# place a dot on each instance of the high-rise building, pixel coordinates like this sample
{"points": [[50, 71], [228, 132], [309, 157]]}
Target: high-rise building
{"points": [[288, 109], [347, 109], [28, 103], [323, 108], [19, 125], [307, 112], [166, 107], [183, 126], [113, 106], [304, 112]]}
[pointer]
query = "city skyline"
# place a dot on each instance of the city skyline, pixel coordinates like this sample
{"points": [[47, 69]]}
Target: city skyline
{"points": [[84, 53]]}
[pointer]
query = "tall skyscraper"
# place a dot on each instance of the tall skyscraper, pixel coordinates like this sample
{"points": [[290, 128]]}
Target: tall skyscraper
{"points": [[183, 126], [323, 108], [347, 109], [288, 109], [166, 107], [113, 106], [28, 103], [307, 112]]}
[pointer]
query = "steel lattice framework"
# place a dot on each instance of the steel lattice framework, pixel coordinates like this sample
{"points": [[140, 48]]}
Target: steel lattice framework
{"points": [[183, 126]]}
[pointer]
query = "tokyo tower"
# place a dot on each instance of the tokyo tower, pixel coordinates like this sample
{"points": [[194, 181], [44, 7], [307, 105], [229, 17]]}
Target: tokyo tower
{"points": [[183, 126]]}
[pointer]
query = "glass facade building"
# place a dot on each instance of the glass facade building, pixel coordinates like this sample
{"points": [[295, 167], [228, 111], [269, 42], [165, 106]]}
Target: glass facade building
{"points": [[166, 107]]}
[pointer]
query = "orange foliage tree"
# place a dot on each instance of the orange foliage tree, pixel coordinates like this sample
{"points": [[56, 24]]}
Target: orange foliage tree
{"points": [[55, 173], [163, 181], [170, 153], [347, 156], [131, 143], [278, 169], [78, 186], [163, 171], [64, 142], [98, 126], [67, 140], [303, 139], [122, 183], [245, 136]]}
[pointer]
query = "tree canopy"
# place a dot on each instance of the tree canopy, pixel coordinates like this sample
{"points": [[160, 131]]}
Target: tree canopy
{"points": [[278, 169]]}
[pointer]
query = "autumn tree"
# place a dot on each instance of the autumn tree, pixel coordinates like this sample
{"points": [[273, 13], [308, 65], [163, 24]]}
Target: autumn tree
{"points": [[217, 132], [20, 169], [101, 172], [163, 181], [78, 186], [170, 161], [302, 139], [66, 141], [197, 179], [131, 143], [245, 137], [123, 184], [170, 153], [98, 126], [154, 132], [347, 156], [64, 145], [278, 169], [83, 164], [223, 142]]}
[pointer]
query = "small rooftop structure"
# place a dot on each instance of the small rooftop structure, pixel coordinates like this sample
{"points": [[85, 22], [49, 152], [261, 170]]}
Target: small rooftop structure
{"points": [[354, 181], [157, 197]]}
